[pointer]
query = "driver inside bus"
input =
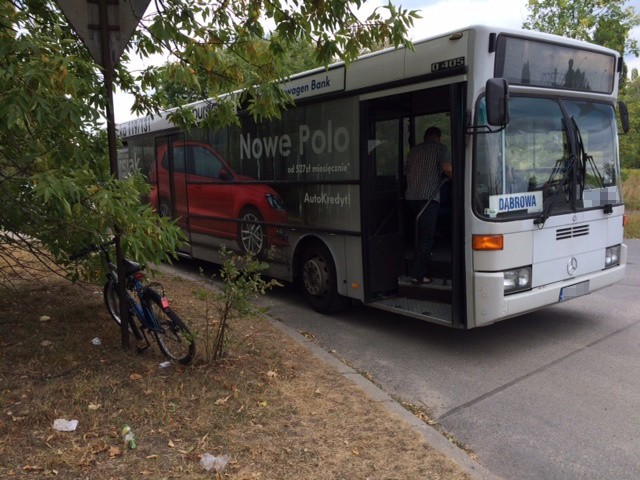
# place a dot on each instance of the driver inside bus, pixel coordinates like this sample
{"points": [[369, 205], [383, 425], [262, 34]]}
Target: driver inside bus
{"points": [[426, 163]]}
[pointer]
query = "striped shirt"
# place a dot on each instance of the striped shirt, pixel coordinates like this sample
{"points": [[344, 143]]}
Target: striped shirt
{"points": [[424, 170]]}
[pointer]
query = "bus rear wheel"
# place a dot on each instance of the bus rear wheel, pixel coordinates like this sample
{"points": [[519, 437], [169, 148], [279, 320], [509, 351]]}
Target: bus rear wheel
{"points": [[319, 280]]}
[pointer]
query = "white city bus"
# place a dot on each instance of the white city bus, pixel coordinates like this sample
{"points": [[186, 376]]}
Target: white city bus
{"points": [[532, 216]]}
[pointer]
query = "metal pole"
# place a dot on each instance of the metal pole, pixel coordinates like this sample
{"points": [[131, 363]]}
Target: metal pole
{"points": [[113, 162]]}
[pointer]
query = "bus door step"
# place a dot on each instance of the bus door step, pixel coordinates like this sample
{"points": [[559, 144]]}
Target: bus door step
{"points": [[438, 290], [434, 312]]}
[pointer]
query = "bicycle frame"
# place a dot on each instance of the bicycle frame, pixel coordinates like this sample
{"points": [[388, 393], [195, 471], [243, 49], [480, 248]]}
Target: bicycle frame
{"points": [[147, 318], [171, 334], [138, 308]]}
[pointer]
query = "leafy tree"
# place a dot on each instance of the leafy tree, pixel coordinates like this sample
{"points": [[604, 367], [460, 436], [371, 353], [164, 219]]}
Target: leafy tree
{"points": [[230, 44], [55, 188], [604, 22], [630, 142], [175, 89]]}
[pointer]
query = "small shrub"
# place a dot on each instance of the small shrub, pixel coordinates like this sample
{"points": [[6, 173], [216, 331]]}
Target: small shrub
{"points": [[243, 282]]}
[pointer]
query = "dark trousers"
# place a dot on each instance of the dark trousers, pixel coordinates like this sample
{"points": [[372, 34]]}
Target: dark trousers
{"points": [[426, 231]]}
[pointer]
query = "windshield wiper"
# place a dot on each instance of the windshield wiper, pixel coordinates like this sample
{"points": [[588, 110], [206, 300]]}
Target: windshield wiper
{"points": [[585, 158], [567, 166], [561, 187]]}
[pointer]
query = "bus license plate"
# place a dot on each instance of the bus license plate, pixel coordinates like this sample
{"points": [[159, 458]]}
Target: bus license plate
{"points": [[573, 291]]}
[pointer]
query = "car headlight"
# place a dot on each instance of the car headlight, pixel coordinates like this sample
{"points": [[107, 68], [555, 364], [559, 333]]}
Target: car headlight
{"points": [[517, 280], [274, 201], [612, 256]]}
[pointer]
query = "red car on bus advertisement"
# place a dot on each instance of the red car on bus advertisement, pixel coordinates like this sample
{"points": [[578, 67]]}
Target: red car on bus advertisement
{"points": [[209, 198]]}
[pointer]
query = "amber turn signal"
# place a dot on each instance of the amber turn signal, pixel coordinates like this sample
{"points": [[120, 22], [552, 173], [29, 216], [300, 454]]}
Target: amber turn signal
{"points": [[488, 242]]}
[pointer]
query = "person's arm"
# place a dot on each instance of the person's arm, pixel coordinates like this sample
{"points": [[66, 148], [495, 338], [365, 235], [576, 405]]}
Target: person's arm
{"points": [[447, 169]]}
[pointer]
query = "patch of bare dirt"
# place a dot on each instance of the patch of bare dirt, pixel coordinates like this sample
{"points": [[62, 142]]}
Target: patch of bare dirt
{"points": [[273, 407]]}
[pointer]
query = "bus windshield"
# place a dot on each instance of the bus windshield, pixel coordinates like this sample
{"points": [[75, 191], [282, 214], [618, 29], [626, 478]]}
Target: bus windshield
{"points": [[555, 156]]}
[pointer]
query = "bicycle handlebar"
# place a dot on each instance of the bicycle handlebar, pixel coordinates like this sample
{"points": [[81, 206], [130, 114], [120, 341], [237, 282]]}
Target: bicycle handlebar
{"points": [[91, 248]]}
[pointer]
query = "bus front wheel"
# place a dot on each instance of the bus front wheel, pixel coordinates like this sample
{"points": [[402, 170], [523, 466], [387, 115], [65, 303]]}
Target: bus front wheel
{"points": [[319, 280]]}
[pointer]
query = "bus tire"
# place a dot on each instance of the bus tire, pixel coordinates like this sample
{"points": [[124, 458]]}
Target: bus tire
{"points": [[252, 236], [319, 280]]}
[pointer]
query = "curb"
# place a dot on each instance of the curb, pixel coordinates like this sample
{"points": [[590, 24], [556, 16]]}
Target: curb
{"points": [[434, 438]]}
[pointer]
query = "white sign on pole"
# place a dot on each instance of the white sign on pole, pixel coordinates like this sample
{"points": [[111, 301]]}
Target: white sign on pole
{"points": [[123, 15]]}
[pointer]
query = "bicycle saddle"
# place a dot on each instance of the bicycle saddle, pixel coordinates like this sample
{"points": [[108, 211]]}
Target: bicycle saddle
{"points": [[131, 267]]}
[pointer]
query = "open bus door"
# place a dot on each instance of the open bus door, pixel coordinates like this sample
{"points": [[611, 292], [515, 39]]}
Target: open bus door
{"points": [[391, 125], [169, 175], [382, 205]]}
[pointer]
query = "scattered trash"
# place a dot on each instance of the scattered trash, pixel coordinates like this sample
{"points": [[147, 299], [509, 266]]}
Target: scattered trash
{"points": [[96, 341], [64, 425], [128, 437], [211, 462], [164, 365], [45, 318], [46, 343], [222, 401]]}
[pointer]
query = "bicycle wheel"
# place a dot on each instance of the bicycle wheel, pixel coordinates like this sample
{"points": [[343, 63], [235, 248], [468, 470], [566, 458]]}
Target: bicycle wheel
{"points": [[174, 339], [112, 302]]}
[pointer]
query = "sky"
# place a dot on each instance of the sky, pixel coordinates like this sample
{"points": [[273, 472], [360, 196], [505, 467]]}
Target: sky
{"points": [[438, 16]]}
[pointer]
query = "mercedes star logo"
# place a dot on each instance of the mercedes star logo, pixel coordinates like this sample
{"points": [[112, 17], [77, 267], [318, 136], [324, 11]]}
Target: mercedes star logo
{"points": [[572, 266]]}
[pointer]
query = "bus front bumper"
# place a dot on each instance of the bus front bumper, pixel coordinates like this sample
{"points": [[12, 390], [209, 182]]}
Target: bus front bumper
{"points": [[491, 305]]}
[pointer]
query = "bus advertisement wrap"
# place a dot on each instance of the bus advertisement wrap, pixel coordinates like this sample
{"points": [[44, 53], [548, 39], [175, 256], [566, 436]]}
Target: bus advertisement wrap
{"points": [[319, 193]]}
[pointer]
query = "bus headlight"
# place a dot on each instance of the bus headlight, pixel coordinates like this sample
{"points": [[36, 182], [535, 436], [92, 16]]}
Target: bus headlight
{"points": [[612, 256], [517, 280]]}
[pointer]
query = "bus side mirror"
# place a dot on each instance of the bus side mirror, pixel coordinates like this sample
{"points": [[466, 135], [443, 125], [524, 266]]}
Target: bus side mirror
{"points": [[624, 116], [497, 92]]}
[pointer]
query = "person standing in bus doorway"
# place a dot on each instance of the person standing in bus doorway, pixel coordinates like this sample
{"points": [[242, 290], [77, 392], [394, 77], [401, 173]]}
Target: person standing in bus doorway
{"points": [[426, 164]]}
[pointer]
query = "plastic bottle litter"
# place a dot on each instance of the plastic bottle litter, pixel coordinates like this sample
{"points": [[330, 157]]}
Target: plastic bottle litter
{"points": [[96, 341], [164, 365], [211, 462], [64, 425], [128, 437]]}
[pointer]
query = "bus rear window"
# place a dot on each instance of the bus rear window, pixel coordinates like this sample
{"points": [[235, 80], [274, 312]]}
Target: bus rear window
{"points": [[539, 64]]}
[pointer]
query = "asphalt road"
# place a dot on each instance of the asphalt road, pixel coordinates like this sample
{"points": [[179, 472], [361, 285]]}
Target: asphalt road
{"points": [[549, 395]]}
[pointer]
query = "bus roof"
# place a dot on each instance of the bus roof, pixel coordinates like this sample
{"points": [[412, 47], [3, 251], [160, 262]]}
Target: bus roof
{"points": [[368, 70]]}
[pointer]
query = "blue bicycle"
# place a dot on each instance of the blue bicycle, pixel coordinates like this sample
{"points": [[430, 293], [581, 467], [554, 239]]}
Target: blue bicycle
{"points": [[151, 309]]}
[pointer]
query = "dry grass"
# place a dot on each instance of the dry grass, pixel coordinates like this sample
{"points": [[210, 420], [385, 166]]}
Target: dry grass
{"points": [[632, 230], [631, 189], [276, 410], [631, 196]]}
